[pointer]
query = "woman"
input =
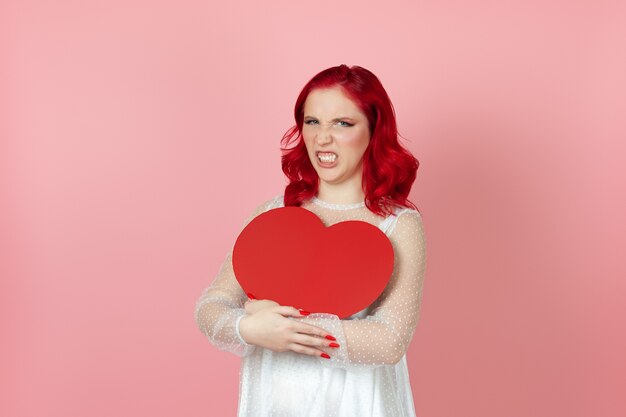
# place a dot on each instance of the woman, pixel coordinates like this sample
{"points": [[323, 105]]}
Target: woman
{"points": [[346, 164]]}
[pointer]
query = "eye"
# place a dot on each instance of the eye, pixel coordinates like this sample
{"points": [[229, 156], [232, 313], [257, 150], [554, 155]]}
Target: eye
{"points": [[346, 123], [306, 122]]}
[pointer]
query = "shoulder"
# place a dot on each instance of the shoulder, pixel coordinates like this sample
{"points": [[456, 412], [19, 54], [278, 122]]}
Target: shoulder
{"points": [[266, 205], [406, 219], [269, 203], [407, 235], [276, 201], [404, 212]]}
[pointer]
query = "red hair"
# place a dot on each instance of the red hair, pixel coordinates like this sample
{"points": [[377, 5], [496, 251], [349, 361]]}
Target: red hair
{"points": [[389, 170]]}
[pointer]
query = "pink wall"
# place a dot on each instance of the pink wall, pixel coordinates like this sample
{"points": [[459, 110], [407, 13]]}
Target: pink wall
{"points": [[136, 137]]}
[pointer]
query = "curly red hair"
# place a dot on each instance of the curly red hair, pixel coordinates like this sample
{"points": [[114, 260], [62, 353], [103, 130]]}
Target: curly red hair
{"points": [[389, 170]]}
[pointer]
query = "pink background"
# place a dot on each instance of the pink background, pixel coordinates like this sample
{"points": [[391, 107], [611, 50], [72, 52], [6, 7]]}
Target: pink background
{"points": [[137, 136]]}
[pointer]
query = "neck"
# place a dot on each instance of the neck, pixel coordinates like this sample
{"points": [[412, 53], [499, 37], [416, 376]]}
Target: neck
{"points": [[344, 193]]}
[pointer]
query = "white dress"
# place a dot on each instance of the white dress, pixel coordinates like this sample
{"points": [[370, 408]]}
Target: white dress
{"points": [[367, 376]]}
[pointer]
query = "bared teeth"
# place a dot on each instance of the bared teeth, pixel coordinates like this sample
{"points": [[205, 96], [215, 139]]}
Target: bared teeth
{"points": [[327, 156]]}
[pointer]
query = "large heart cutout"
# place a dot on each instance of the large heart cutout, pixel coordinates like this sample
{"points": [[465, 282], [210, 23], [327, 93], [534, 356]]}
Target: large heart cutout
{"points": [[287, 255]]}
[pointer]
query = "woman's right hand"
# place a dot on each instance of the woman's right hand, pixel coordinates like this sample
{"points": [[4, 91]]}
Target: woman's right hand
{"points": [[253, 305], [271, 329]]}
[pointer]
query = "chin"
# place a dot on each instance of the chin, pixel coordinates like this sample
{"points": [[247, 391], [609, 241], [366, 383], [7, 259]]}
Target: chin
{"points": [[329, 179]]}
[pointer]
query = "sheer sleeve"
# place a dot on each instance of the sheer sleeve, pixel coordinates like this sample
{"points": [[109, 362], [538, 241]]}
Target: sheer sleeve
{"points": [[383, 336], [220, 307]]}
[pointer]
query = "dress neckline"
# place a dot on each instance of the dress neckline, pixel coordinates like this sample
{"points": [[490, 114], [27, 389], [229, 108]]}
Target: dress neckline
{"points": [[336, 206]]}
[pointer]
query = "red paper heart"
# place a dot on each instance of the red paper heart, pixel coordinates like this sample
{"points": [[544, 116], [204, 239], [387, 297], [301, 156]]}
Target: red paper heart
{"points": [[288, 255]]}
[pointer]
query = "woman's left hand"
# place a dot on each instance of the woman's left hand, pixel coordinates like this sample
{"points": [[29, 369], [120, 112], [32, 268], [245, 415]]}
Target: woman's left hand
{"points": [[252, 306]]}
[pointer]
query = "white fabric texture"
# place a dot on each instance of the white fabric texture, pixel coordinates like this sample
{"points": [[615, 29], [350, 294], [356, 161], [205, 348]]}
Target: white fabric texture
{"points": [[367, 376]]}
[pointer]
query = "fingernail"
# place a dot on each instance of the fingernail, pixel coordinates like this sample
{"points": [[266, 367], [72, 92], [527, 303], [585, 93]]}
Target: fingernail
{"points": [[304, 312], [329, 337], [324, 355], [333, 344], [251, 296]]}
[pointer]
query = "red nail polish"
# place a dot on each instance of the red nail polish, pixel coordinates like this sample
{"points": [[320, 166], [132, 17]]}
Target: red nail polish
{"points": [[304, 312], [333, 344], [329, 337], [251, 296], [324, 355]]}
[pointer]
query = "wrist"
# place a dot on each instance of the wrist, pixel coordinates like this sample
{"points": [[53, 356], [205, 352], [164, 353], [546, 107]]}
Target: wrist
{"points": [[241, 328]]}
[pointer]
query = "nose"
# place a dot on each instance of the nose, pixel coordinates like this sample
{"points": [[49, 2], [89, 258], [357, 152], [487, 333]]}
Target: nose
{"points": [[323, 136]]}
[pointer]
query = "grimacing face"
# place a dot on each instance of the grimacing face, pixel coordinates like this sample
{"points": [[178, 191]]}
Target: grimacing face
{"points": [[334, 126]]}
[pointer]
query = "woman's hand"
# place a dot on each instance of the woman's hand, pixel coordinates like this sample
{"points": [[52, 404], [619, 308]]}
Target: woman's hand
{"points": [[253, 305], [269, 327]]}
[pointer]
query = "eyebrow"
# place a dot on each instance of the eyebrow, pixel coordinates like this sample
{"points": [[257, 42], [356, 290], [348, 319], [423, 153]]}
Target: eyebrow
{"points": [[334, 120]]}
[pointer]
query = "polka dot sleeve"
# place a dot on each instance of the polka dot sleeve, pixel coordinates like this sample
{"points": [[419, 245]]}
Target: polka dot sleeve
{"points": [[383, 336], [221, 305]]}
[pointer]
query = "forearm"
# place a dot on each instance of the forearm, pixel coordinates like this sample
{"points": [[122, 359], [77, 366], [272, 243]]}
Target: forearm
{"points": [[363, 343], [221, 306], [218, 317]]}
